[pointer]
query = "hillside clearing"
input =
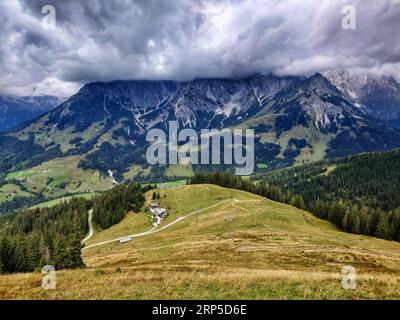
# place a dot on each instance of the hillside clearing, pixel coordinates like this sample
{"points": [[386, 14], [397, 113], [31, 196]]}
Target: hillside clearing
{"points": [[9, 191], [51, 203]]}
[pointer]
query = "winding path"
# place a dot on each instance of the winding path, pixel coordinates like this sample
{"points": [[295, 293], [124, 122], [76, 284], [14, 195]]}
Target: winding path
{"points": [[90, 218], [154, 230]]}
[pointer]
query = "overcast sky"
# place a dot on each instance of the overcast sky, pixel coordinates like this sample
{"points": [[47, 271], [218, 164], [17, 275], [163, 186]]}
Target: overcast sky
{"points": [[103, 40]]}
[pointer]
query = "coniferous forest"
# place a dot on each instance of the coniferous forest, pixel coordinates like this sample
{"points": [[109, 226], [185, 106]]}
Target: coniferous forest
{"points": [[113, 205], [45, 236], [34, 238], [359, 196]]}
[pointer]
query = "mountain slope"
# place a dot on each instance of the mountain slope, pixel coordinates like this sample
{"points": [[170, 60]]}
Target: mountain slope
{"points": [[377, 96], [15, 111], [296, 120], [277, 252], [359, 194], [373, 179]]}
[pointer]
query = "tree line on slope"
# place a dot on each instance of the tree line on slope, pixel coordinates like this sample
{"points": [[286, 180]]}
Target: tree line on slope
{"points": [[371, 179], [113, 205], [361, 194], [345, 214], [34, 238], [45, 236]]}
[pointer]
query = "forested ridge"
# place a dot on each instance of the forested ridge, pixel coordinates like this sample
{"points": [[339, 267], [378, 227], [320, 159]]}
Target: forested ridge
{"points": [[369, 179], [112, 206], [352, 202], [34, 238]]}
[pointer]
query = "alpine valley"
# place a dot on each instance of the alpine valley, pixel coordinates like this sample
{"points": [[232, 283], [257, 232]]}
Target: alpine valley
{"points": [[98, 135], [59, 204], [292, 109], [16, 111]]}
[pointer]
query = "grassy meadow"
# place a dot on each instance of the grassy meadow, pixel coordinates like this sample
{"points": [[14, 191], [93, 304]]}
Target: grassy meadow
{"points": [[51, 203], [276, 252], [59, 176]]}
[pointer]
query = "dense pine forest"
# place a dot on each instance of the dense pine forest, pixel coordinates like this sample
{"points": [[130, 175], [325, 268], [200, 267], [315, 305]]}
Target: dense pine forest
{"points": [[359, 194], [112, 206], [34, 238], [351, 196], [45, 236], [370, 179]]}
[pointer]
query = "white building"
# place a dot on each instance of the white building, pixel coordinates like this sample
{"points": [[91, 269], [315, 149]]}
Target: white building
{"points": [[158, 214], [125, 240]]}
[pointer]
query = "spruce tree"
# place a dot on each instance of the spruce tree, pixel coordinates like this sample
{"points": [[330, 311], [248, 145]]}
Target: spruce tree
{"points": [[44, 252], [382, 229], [20, 262], [33, 251], [74, 249], [346, 221], [394, 224], [355, 222], [364, 215], [5, 254], [60, 254]]}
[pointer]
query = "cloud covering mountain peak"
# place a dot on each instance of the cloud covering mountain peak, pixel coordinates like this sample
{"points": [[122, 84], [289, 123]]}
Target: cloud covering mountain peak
{"points": [[98, 40]]}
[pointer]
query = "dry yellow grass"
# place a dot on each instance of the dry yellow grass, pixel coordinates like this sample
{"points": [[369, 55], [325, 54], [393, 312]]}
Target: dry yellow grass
{"points": [[277, 252]]}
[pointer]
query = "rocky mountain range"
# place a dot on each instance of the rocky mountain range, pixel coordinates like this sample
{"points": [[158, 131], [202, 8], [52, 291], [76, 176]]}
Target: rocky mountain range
{"points": [[296, 119], [378, 96]]}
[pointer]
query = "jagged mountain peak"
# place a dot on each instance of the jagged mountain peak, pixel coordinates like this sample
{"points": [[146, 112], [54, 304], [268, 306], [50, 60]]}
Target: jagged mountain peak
{"points": [[353, 83], [210, 102], [319, 84], [294, 118], [376, 95]]}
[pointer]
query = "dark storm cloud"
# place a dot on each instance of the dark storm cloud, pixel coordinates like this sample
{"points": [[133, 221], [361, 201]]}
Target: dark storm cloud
{"points": [[183, 39]]}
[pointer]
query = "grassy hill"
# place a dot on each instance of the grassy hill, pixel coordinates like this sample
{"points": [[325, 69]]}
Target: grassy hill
{"points": [[277, 252], [359, 194]]}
